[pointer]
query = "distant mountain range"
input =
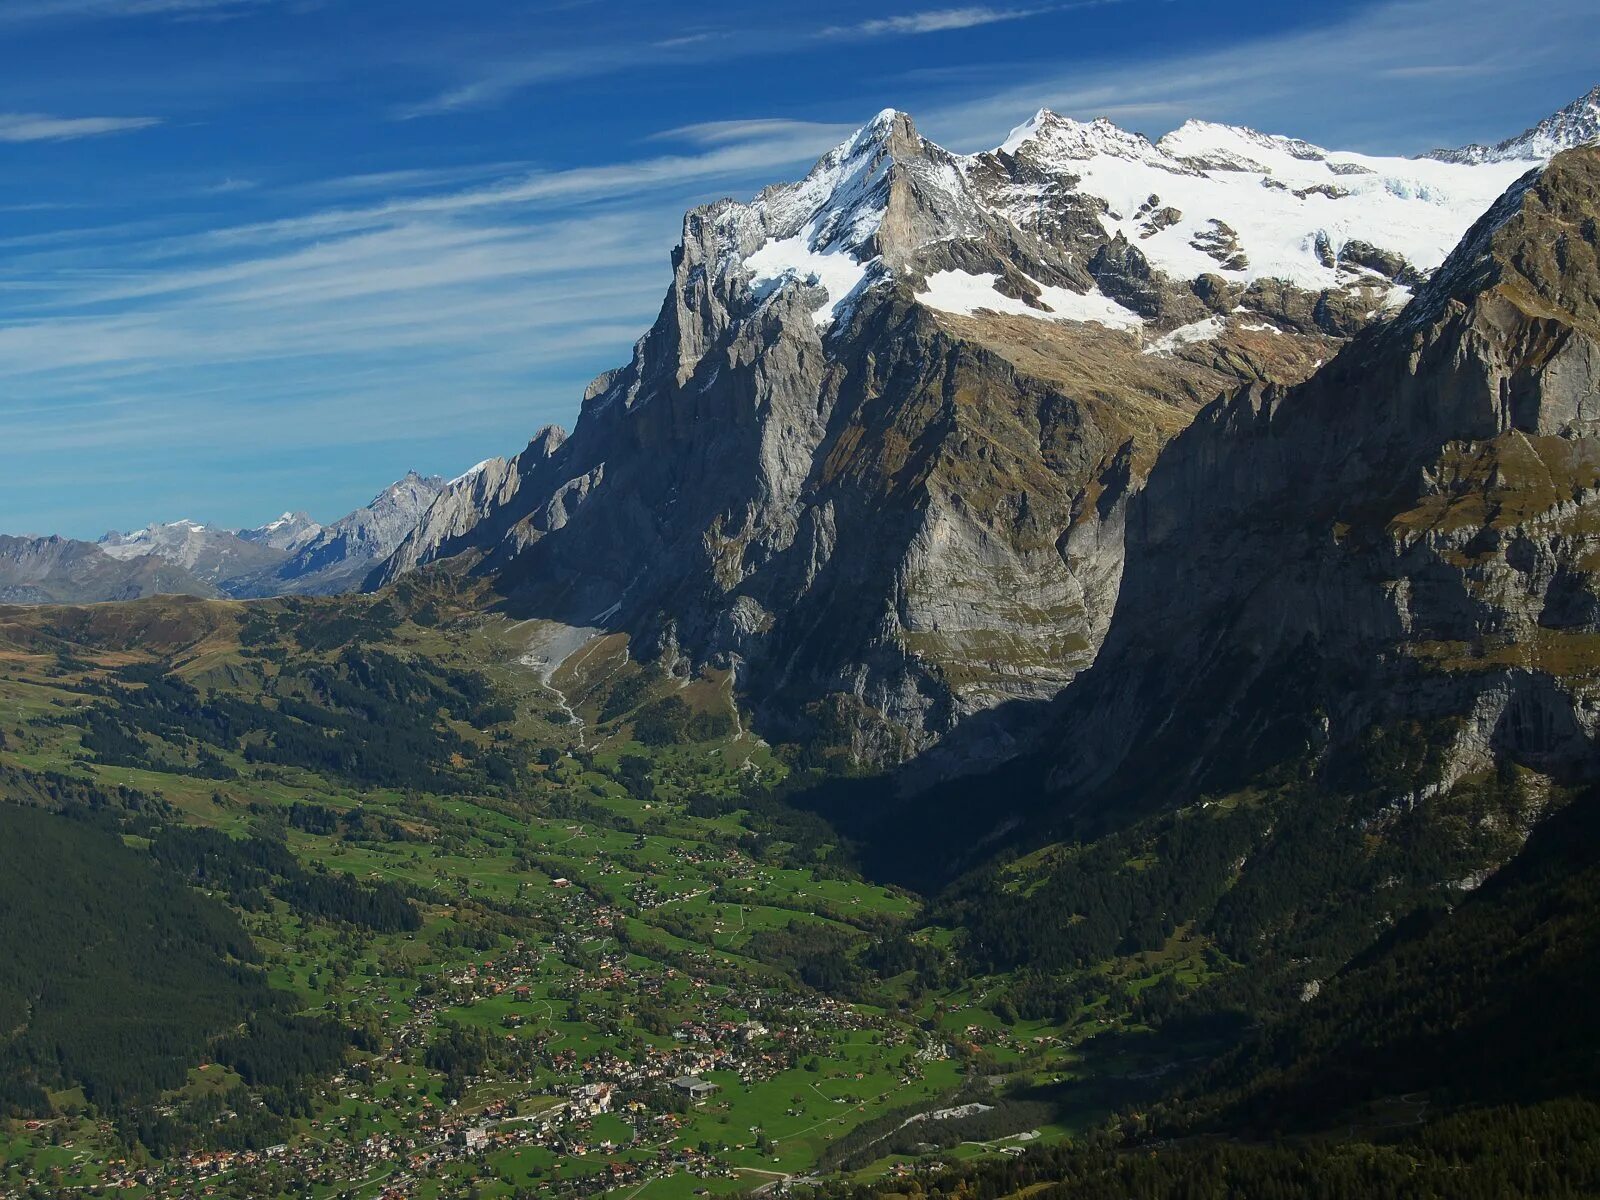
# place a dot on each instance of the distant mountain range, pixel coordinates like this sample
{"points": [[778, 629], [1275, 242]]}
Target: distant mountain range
{"points": [[56, 570], [292, 555]]}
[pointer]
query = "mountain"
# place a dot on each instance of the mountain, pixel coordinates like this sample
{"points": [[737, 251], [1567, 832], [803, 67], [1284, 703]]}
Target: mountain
{"points": [[337, 557], [1578, 124], [290, 532], [1363, 594], [1343, 730], [55, 570], [875, 456]]}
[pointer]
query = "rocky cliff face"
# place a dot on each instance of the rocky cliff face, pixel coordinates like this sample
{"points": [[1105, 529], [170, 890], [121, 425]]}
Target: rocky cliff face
{"points": [[875, 455], [1408, 539]]}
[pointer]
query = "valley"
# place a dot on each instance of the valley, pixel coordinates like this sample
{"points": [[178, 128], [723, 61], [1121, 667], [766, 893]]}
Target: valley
{"points": [[549, 955]]}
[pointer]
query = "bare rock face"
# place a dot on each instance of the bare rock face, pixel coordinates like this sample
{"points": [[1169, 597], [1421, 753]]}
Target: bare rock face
{"points": [[1411, 536], [877, 452]]}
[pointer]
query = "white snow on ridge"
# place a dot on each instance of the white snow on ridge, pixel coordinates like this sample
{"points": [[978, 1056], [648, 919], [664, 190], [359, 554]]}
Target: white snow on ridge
{"points": [[470, 473], [1203, 199], [813, 230], [1276, 194], [964, 294]]}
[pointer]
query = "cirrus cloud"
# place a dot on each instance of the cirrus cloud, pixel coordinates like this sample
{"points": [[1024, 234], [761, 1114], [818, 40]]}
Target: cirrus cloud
{"points": [[42, 127]]}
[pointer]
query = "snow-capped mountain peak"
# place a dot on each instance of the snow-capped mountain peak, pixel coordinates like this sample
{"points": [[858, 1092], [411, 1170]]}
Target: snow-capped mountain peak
{"points": [[157, 535], [861, 213], [1085, 221], [1235, 204], [820, 231]]}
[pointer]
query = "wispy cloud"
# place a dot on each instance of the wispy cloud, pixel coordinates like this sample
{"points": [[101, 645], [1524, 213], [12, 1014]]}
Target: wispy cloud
{"points": [[937, 20], [409, 179], [717, 133], [228, 186], [19, 11], [41, 127], [339, 327], [498, 81]]}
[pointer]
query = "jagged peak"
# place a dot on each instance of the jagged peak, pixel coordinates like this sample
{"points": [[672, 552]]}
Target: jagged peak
{"points": [[183, 525], [473, 471], [1575, 124], [412, 480], [547, 440], [884, 124], [823, 230]]}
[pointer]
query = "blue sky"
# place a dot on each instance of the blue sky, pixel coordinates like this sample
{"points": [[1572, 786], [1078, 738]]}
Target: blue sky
{"points": [[269, 254]]}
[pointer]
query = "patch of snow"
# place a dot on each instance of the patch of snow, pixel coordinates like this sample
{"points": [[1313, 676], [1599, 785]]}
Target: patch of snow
{"points": [[963, 293], [836, 272], [1397, 298], [1187, 335]]}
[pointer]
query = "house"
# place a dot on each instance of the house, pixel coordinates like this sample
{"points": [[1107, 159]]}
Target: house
{"points": [[694, 1087]]}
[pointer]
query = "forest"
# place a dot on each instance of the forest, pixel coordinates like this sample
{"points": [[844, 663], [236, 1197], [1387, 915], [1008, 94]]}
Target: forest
{"points": [[86, 916]]}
